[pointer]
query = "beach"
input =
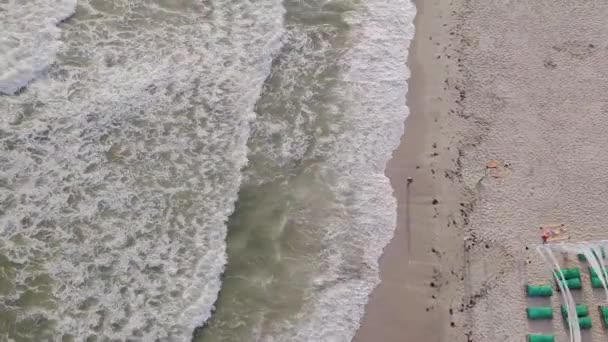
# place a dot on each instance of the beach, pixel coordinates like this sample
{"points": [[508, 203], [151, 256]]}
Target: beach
{"points": [[506, 134], [226, 170]]}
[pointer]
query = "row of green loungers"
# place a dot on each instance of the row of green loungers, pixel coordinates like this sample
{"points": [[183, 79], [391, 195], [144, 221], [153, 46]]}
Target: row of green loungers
{"points": [[540, 312]]}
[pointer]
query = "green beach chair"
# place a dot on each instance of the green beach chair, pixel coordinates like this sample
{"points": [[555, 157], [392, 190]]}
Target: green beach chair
{"points": [[569, 273], [539, 290], [596, 283], [594, 274], [572, 284], [604, 314], [581, 311], [540, 338], [540, 312], [585, 323]]}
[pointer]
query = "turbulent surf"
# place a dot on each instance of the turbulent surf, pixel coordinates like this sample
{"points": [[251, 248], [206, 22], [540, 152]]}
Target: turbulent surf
{"points": [[149, 147]]}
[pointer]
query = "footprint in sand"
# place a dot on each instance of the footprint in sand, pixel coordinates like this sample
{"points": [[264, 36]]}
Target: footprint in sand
{"points": [[576, 49]]}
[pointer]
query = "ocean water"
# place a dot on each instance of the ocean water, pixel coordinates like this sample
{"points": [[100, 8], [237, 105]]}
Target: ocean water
{"points": [[207, 170]]}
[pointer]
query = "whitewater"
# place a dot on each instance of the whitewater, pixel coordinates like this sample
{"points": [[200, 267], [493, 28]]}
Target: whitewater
{"points": [[207, 170]]}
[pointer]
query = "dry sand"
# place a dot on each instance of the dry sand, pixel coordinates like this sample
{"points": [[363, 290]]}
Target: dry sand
{"points": [[533, 94]]}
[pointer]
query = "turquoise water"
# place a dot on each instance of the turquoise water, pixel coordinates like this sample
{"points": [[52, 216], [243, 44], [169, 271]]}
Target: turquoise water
{"points": [[212, 168]]}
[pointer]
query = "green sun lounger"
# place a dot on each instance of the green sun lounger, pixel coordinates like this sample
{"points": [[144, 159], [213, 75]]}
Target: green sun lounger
{"points": [[540, 312], [573, 284], [596, 283], [581, 311], [540, 338], [604, 315], [585, 322], [569, 273], [539, 290], [594, 274]]}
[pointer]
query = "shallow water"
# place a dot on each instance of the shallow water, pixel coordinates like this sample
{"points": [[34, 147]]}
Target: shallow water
{"points": [[124, 156]]}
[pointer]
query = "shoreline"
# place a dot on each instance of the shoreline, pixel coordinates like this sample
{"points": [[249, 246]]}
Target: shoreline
{"points": [[418, 298]]}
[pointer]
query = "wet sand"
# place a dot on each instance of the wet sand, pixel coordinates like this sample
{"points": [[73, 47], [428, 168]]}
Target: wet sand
{"points": [[422, 266], [521, 83]]}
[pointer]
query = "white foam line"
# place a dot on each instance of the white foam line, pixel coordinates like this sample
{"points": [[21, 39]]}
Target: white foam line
{"points": [[374, 86]]}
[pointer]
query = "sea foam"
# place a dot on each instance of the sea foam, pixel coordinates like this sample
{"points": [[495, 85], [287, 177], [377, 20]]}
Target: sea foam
{"points": [[122, 166], [29, 39]]}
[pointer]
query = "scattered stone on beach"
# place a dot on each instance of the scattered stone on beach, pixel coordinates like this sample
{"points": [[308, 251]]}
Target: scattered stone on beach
{"points": [[549, 64]]}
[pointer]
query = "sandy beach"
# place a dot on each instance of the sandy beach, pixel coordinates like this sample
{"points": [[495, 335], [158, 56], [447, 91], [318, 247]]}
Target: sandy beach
{"points": [[519, 87], [421, 268]]}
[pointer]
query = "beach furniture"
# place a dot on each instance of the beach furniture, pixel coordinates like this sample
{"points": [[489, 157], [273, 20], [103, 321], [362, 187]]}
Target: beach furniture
{"points": [[594, 274], [581, 311], [540, 338], [596, 283], [569, 273], [539, 290], [585, 322], [604, 315], [540, 312], [572, 284]]}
